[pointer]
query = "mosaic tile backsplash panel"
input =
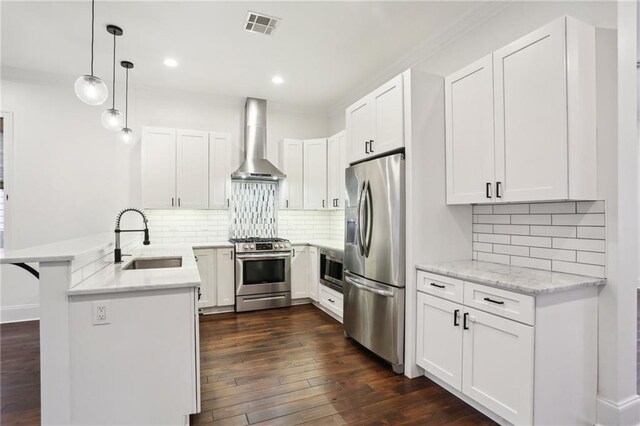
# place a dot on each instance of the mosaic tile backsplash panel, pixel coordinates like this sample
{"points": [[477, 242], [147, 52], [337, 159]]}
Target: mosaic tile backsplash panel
{"points": [[254, 209]]}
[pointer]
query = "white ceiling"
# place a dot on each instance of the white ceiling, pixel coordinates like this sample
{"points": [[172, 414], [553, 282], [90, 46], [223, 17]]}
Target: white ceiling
{"points": [[322, 49]]}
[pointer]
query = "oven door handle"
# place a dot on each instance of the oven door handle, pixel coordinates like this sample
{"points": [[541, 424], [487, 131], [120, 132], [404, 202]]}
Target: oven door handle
{"points": [[263, 256]]}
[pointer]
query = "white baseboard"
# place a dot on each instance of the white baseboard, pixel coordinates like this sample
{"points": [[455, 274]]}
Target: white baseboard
{"points": [[625, 412], [19, 313]]}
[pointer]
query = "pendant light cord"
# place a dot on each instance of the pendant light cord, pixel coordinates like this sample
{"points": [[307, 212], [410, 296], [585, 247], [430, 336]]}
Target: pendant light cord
{"points": [[113, 105], [93, 17], [126, 102]]}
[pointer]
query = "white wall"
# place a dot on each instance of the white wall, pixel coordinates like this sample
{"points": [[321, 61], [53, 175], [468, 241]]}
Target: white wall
{"points": [[71, 176]]}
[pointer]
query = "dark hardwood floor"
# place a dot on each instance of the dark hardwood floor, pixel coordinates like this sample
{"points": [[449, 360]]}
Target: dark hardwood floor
{"points": [[278, 367]]}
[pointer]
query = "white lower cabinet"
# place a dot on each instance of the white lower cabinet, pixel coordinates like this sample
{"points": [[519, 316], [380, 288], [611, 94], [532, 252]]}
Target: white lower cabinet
{"points": [[529, 360], [314, 273], [300, 272], [331, 300], [217, 286]]}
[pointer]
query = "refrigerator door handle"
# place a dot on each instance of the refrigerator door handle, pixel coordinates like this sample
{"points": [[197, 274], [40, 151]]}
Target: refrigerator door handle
{"points": [[360, 237], [360, 286], [369, 215]]}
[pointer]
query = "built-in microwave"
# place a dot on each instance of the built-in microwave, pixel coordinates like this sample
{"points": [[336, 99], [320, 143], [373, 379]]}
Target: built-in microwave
{"points": [[331, 271]]}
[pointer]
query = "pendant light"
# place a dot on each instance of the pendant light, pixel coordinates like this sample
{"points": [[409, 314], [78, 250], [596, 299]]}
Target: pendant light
{"points": [[90, 89], [112, 118], [128, 136]]}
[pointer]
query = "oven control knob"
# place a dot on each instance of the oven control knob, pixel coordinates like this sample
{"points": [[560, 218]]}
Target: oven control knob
{"points": [[251, 246], [280, 245], [246, 247], [286, 245]]}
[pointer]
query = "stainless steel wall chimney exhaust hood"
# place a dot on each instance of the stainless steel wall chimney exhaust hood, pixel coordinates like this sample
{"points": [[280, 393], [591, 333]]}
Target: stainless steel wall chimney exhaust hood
{"points": [[255, 165]]}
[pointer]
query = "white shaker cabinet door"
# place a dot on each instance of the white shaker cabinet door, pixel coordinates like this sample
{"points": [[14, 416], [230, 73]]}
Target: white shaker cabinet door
{"points": [[315, 174], [439, 339], [291, 164], [300, 272], [469, 133], [158, 168], [192, 169], [359, 122], [219, 170], [387, 104], [314, 273], [498, 365], [531, 116], [225, 277], [206, 261]]}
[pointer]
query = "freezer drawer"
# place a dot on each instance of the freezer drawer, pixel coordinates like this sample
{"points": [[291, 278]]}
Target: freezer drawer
{"points": [[374, 317]]}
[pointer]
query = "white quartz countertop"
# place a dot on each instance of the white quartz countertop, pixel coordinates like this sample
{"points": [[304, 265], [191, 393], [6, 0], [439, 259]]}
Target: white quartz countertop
{"points": [[114, 279], [329, 244], [514, 278], [62, 250]]}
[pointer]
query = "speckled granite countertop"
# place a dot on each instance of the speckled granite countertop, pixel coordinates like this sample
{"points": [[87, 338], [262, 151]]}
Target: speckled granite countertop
{"points": [[514, 278]]}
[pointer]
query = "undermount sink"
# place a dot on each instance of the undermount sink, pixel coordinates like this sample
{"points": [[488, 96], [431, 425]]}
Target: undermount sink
{"points": [[154, 263]]}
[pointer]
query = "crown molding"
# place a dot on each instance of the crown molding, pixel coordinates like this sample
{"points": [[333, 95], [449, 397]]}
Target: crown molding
{"points": [[476, 16]]}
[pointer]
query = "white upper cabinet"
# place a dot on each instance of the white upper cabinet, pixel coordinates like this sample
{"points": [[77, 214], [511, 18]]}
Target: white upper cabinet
{"points": [[192, 184], [219, 170], [315, 174], [336, 165], [375, 124], [158, 168], [544, 120], [359, 122], [225, 295], [291, 161], [469, 133]]}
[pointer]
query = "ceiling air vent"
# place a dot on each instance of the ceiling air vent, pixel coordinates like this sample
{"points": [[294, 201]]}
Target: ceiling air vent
{"points": [[259, 23]]}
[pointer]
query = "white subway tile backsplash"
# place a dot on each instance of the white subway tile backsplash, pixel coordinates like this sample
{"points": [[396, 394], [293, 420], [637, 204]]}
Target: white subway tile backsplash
{"points": [[554, 231], [531, 219], [590, 207], [578, 269], [579, 244], [494, 238], [579, 219], [565, 237], [569, 207], [483, 209], [594, 232], [592, 258], [509, 249], [479, 227], [511, 209], [492, 257], [511, 229], [493, 218], [530, 262], [553, 254], [521, 240]]}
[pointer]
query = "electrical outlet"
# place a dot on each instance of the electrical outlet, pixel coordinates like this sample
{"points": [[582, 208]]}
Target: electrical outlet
{"points": [[101, 313]]}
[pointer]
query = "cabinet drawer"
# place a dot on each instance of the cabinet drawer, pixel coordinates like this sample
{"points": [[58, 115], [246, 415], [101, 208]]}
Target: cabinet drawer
{"points": [[515, 306], [331, 300], [441, 286]]}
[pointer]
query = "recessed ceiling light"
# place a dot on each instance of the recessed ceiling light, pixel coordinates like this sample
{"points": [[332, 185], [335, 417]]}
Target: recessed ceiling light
{"points": [[170, 62], [277, 80]]}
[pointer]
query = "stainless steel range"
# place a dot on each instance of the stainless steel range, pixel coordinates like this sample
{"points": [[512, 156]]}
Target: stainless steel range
{"points": [[263, 273]]}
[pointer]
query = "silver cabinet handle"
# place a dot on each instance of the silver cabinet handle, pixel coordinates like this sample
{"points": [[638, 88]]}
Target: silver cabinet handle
{"points": [[369, 289]]}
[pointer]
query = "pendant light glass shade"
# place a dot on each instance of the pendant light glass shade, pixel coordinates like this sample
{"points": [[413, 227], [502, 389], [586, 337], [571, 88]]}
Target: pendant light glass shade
{"points": [[112, 119], [91, 90], [128, 136]]}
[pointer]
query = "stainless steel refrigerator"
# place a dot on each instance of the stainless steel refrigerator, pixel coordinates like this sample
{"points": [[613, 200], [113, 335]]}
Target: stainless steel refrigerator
{"points": [[374, 257]]}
